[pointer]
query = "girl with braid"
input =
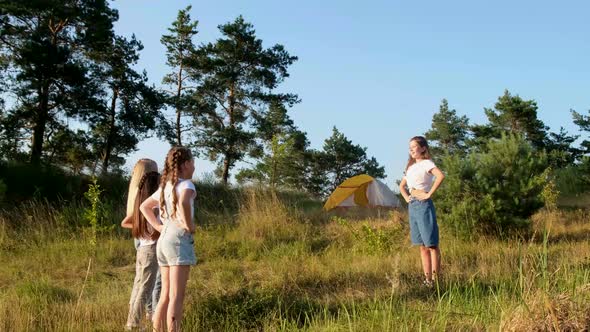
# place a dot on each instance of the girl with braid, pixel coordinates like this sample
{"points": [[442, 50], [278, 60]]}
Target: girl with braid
{"points": [[146, 266], [175, 248], [141, 187]]}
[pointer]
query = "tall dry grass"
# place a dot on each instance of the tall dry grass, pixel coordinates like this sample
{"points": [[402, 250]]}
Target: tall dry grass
{"points": [[274, 266]]}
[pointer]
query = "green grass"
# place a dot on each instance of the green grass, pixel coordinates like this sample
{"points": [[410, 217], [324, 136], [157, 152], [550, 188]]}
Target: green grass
{"points": [[275, 266]]}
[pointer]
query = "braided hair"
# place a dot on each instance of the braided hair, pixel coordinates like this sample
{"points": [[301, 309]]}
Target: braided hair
{"points": [[147, 186], [177, 156]]}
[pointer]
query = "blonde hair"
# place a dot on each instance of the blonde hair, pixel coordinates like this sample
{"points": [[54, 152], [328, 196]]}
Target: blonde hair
{"points": [[174, 159], [142, 167]]}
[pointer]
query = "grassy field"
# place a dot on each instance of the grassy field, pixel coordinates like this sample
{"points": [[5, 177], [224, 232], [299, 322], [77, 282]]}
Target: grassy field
{"points": [[274, 266]]}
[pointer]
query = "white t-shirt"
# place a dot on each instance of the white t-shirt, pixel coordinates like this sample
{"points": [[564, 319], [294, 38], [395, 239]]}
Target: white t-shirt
{"points": [[418, 176], [180, 186]]}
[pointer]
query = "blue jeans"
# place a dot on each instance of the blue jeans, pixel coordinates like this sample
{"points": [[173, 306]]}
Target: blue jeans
{"points": [[423, 226]]}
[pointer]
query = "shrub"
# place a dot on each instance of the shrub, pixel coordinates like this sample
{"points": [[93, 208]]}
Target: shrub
{"points": [[493, 191], [574, 179], [26, 181]]}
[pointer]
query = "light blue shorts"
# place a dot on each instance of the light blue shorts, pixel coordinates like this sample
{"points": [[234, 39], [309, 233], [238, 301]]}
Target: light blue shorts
{"points": [[423, 226], [175, 246]]}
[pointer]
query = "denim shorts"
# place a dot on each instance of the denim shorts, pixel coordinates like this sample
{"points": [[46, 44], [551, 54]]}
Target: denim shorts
{"points": [[175, 246], [423, 226]]}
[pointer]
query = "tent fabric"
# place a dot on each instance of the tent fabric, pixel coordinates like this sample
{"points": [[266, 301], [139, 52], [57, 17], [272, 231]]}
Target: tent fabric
{"points": [[362, 190]]}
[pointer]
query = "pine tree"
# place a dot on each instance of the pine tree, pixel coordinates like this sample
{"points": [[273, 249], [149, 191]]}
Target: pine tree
{"points": [[130, 109], [235, 76], [449, 132], [512, 115], [179, 50], [50, 45]]}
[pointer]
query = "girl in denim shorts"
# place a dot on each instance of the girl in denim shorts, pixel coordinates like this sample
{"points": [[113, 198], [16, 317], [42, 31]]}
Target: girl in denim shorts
{"points": [[175, 248], [423, 178]]}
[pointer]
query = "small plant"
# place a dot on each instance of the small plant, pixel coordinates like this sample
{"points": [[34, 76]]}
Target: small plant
{"points": [[550, 194], [375, 240], [94, 214]]}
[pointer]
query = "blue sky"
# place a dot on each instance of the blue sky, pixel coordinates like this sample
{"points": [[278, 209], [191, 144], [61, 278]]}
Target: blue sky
{"points": [[377, 70]]}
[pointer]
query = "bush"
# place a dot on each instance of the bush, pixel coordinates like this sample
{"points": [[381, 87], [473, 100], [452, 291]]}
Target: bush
{"points": [[26, 181], [574, 179], [493, 191]]}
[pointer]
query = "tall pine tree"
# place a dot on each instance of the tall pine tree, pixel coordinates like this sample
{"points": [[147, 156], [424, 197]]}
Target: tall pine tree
{"points": [[179, 50], [236, 75]]}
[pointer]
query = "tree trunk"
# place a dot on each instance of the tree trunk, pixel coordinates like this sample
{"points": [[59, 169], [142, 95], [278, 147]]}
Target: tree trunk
{"points": [[227, 161], [225, 174], [106, 155], [40, 123], [178, 110]]}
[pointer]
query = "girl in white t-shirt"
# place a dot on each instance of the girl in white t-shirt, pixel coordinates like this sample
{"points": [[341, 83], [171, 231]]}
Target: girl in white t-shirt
{"points": [[423, 178], [146, 266], [175, 249]]}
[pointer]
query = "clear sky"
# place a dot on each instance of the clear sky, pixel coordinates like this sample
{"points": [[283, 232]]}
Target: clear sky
{"points": [[377, 70]]}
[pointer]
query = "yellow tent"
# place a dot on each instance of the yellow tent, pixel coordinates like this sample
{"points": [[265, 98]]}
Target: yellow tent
{"points": [[361, 190]]}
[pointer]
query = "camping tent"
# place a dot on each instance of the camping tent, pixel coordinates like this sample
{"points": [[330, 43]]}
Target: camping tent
{"points": [[362, 190]]}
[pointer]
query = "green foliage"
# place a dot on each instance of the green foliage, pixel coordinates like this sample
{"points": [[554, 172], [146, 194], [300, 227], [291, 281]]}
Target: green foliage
{"points": [[494, 191], [372, 240], [95, 214], [281, 150], [560, 150], [25, 182], [70, 149], [281, 166], [235, 76], [179, 50], [583, 122], [573, 180], [448, 132], [51, 46], [130, 108], [512, 115], [339, 160], [550, 193]]}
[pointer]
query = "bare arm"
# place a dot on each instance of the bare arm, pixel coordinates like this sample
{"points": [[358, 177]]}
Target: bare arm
{"points": [[147, 209], [185, 209], [127, 222], [439, 177], [403, 191]]}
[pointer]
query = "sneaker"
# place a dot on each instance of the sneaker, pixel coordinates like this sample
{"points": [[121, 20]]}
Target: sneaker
{"points": [[428, 283]]}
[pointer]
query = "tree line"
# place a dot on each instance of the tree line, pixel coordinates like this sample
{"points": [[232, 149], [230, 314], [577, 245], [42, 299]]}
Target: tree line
{"points": [[501, 172], [70, 97]]}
